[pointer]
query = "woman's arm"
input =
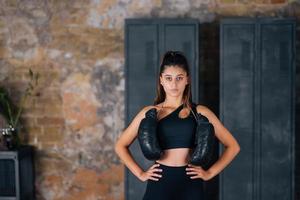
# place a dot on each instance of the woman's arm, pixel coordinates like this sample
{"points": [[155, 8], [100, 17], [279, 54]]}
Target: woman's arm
{"points": [[122, 149], [230, 143], [126, 139]]}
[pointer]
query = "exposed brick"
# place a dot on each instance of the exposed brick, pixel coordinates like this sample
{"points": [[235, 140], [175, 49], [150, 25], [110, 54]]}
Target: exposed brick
{"points": [[49, 162], [41, 102], [51, 134], [33, 111], [227, 1], [262, 1], [50, 121], [28, 121], [47, 94], [53, 110], [32, 135], [17, 76], [278, 1], [34, 130], [2, 50], [29, 103], [113, 174]]}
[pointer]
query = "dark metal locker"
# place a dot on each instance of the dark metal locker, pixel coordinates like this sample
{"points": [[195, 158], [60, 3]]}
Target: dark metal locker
{"points": [[17, 174], [141, 58], [145, 42], [257, 104]]}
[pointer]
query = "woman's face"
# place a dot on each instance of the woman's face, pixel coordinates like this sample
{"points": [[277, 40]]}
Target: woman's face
{"points": [[174, 79]]}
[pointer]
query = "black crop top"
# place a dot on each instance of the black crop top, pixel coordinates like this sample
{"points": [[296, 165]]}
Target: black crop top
{"points": [[176, 132]]}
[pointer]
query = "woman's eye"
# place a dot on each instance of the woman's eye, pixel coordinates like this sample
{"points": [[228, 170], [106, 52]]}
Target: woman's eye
{"points": [[179, 78], [168, 78]]}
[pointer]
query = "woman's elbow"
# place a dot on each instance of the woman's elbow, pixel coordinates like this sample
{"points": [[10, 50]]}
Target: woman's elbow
{"points": [[237, 148], [119, 147]]}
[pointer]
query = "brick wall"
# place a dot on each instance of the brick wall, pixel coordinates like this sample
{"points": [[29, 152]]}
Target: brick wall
{"points": [[77, 111]]}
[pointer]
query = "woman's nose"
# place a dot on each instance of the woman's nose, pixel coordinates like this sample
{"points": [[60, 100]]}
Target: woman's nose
{"points": [[174, 83]]}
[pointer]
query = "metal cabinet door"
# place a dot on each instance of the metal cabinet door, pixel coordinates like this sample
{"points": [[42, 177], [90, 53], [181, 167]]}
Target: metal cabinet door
{"points": [[141, 60], [257, 106], [237, 105], [276, 136], [145, 42]]}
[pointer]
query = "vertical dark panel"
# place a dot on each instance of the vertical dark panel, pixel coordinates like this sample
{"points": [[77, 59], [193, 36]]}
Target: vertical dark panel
{"points": [[17, 174], [8, 178], [141, 61], [276, 117], [174, 40], [258, 106], [237, 64], [144, 46]]}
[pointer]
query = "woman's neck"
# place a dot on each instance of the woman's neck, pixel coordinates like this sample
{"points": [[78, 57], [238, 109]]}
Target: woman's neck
{"points": [[174, 102]]}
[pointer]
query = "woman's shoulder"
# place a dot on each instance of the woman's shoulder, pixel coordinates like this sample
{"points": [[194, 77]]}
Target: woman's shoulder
{"points": [[202, 109], [157, 107], [207, 112]]}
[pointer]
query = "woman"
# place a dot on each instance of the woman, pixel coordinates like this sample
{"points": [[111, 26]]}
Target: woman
{"points": [[171, 176]]}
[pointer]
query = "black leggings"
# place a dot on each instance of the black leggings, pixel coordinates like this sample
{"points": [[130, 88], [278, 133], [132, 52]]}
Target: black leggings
{"points": [[174, 184]]}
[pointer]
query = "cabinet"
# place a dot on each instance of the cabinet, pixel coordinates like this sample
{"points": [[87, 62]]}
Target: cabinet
{"points": [[146, 40], [17, 174], [257, 104]]}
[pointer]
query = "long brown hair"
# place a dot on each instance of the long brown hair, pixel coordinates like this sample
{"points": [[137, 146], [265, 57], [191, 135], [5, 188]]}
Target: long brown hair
{"points": [[174, 58]]}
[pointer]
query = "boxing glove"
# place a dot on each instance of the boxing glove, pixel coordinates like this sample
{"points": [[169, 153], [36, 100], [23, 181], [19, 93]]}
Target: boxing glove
{"points": [[147, 136], [204, 141]]}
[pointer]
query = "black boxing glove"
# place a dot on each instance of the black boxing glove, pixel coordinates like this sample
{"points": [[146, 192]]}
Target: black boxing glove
{"points": [[204, 142], [147, 136]]}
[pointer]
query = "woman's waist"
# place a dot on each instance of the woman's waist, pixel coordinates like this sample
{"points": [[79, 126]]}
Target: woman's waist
{"points": [[175, 157]]}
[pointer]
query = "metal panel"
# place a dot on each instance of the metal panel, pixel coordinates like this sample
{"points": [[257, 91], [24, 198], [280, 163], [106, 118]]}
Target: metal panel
{"points": [[276, 136], [17, 174], [259, 78], [144, 46], [237, 63], [8, 178], [141, 61]]}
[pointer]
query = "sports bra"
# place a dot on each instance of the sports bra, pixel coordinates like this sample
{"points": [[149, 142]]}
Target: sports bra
{"points": [[176, 132]]}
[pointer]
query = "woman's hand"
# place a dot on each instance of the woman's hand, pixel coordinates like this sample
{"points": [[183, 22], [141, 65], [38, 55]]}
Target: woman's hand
{"points": [[151, 173], [199, 172]]}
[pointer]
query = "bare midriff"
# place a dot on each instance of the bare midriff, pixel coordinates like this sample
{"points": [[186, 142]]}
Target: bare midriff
{"points": [[175, 157]]}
